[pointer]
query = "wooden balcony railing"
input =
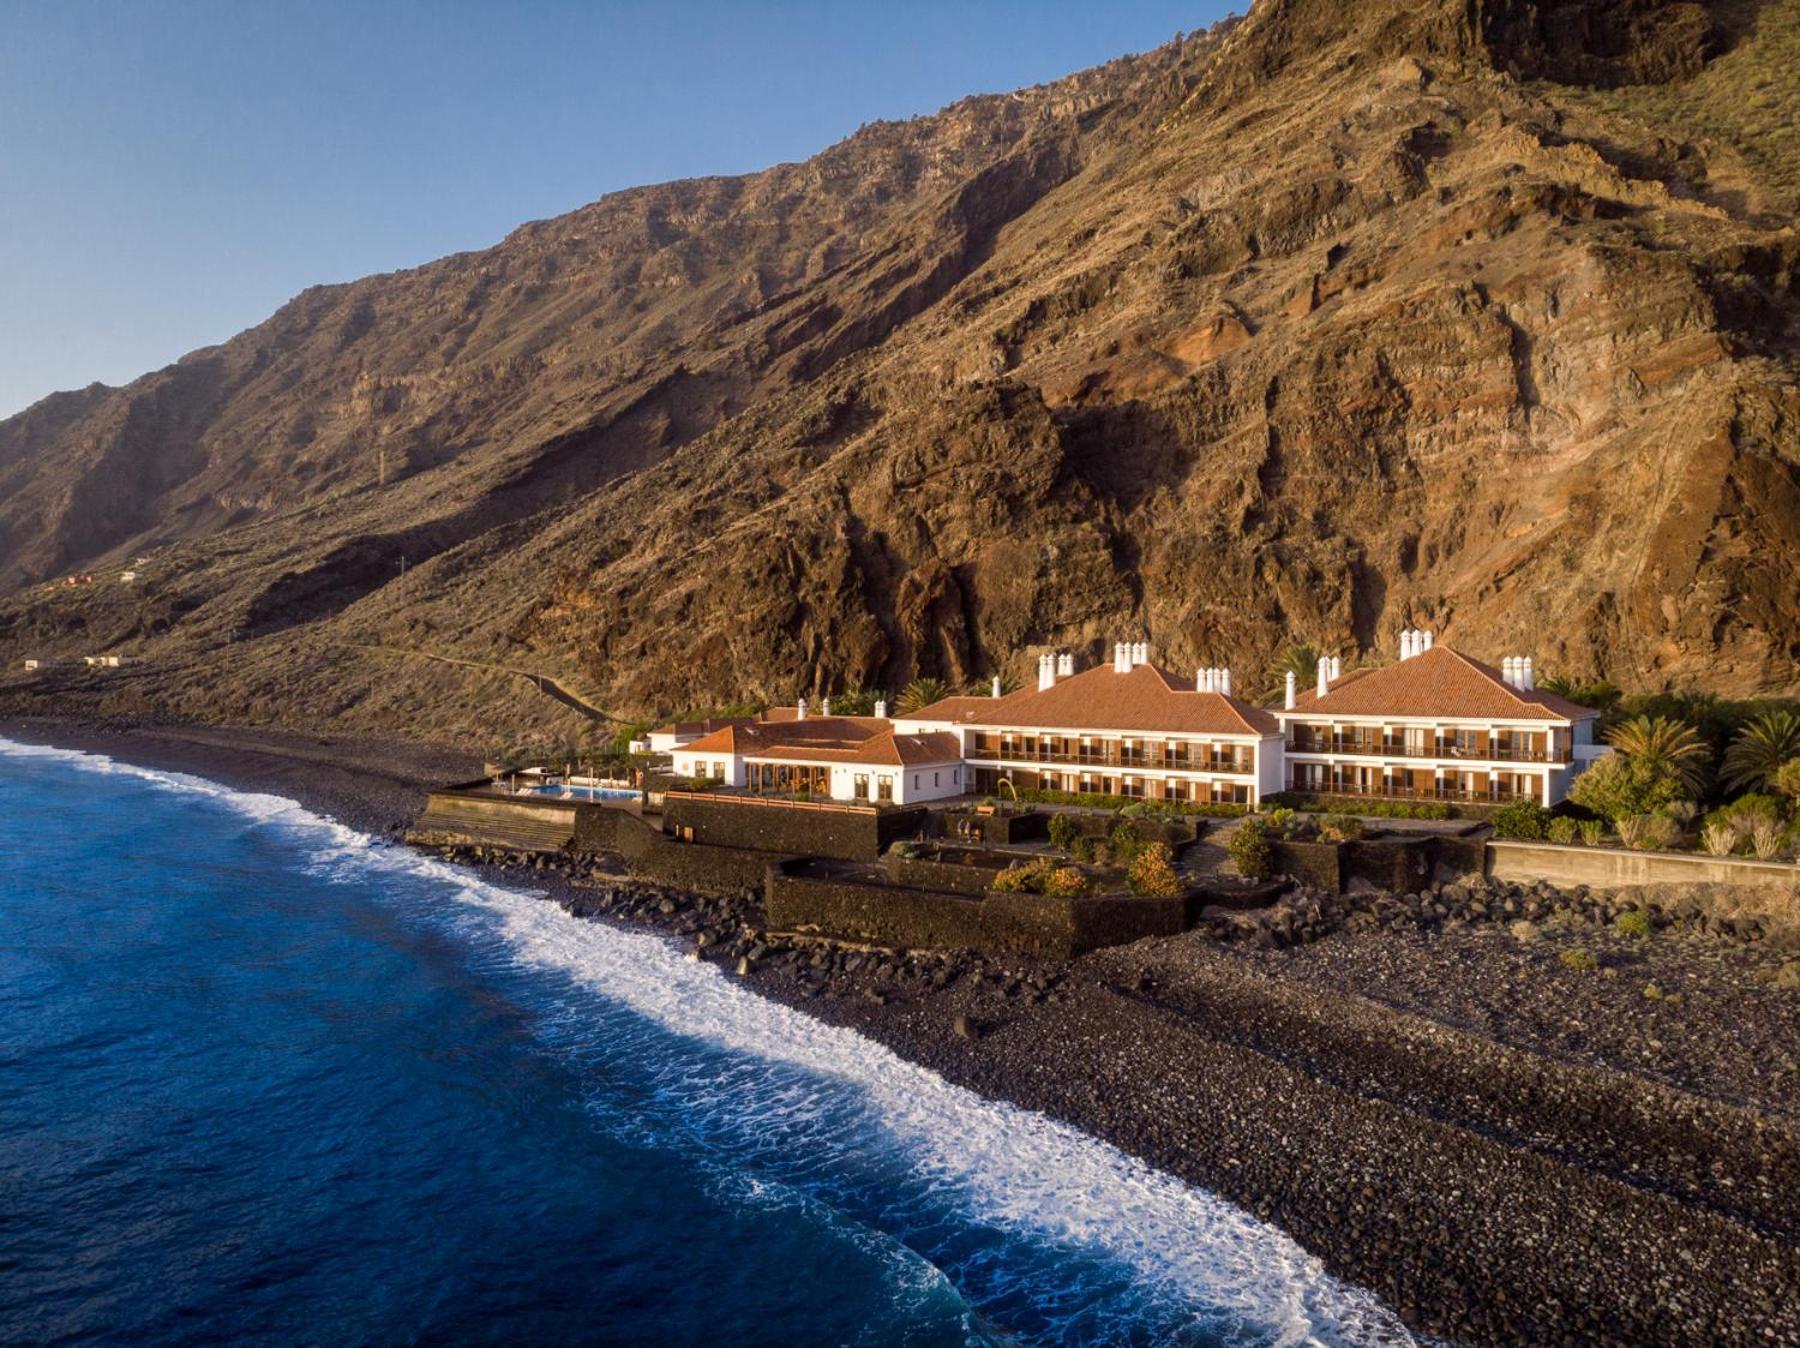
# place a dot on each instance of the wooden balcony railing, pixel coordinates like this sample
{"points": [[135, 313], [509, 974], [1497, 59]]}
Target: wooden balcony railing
{"points": [[1376, 747], [1492, 796], [1125, 761]]}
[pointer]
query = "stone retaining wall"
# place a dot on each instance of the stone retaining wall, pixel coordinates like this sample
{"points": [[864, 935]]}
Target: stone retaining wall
{"points": [[970, 877], [789, 828], [858, 909], [1399, 865], [998, 828], [655, 855]]}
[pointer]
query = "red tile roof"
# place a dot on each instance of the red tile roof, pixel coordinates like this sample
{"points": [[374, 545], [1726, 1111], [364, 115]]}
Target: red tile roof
{"points": [[829, 739], [748, 737], [1440, 682], [890, 750], [1144, 699]]}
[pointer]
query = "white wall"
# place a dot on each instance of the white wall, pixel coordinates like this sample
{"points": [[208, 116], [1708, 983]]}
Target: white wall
{"points": [[934, 782], [1271, 766], [701, 765]]}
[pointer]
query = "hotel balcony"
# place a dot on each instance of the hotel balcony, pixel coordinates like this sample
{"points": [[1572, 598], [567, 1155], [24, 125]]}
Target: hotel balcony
{"points": [[1139, 760], [1489, 796], [1375, 747]]}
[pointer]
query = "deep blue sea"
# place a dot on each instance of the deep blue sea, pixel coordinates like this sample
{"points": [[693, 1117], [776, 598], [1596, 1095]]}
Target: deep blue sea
{"points": [[265, 1080]]}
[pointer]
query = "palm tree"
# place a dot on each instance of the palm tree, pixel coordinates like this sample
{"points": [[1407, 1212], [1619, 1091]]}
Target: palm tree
{"points": [[854, 701], [921, 693], [1599, 694], [1760, 749], [1302, 661], [1009, 683], [1661, 742]]}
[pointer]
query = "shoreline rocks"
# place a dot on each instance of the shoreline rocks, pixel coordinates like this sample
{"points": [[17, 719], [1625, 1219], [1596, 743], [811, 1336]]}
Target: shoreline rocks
{"points": [[1489, 1193]]}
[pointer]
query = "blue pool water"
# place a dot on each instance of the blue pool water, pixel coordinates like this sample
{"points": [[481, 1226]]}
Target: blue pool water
{"points": [[263, 1079], [581, 792]]}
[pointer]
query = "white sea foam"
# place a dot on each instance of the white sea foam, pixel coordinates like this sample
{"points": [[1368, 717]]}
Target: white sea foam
{"points": [[1010, 1169]]}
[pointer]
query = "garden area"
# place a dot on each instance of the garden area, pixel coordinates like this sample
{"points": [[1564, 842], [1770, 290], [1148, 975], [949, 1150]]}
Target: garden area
{"points": [[1702, 781]]}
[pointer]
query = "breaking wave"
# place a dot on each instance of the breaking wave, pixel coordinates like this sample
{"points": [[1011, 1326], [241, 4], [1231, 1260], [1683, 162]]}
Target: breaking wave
{"points": [[1046, 1231]]}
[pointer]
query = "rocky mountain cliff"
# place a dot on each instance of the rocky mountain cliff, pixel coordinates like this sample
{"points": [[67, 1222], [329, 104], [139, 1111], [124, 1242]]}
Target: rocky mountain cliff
{"points": [[1320, 324]]}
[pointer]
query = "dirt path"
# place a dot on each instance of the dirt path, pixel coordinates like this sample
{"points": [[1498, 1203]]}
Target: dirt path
{"points": [[545, 683]]}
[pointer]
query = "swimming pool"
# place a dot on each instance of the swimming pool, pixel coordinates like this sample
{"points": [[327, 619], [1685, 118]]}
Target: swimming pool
{"points": [[581, 792]]}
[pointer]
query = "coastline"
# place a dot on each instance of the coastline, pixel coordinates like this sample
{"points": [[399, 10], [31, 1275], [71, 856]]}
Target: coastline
{"points": [[1488, 1185]]}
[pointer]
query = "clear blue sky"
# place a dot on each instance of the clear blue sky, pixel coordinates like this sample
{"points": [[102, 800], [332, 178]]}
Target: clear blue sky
{"points": [[171, 172]]}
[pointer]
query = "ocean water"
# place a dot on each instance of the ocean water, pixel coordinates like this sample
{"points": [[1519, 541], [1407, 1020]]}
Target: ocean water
{"points": [[264, 1079]]}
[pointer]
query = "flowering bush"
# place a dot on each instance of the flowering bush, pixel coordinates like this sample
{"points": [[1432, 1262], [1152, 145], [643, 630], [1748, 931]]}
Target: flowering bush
{"points": [[1250, 850], [1151, 873]]}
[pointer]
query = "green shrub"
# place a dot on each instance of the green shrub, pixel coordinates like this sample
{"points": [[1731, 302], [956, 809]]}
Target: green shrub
{"points": [[1620, 785], [1593, 831], [1063, 832], [1563, 830], [1124, 844], [1380, 809], [1341, 827], [1786, 779], [1152, 873], [1084, 849], [903, 850], [1250, 850], [1580, 958], [1648, 832], [1635, 923], [1165, 809], [1523, 819], [1747, 809], [1282, 820]]}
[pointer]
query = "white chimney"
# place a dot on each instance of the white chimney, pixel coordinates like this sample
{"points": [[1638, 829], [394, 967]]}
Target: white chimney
{"points": [[1225, 681], [1509, 674], [1199, 680], [1425, 639], [1046, 671], [881, 707], [1407, 647], [1140, 654], [1121, 658], [1288, 693], [825, 705], [1065, 664], [1324, 675], [800, 709], [996, 685], [1527, 680]]}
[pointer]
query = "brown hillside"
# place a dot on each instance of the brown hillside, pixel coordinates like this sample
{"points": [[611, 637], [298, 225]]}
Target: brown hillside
{"points": [[1333, 321]]}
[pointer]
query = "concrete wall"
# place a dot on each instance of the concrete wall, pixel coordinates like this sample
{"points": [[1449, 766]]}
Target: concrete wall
{"points": [[856, 909], [1608, 867], [528, 824]]}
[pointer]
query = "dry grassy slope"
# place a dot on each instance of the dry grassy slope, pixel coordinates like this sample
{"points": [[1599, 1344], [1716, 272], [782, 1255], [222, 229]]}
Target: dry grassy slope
{"points": [[1317, 328]]}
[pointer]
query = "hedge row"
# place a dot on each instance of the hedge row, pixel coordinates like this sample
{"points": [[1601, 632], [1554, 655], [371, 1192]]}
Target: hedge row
{"points": [[1208, 809]]}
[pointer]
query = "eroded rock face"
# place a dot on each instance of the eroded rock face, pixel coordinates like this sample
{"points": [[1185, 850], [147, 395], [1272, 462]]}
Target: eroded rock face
{"points": [[1313, 327]]}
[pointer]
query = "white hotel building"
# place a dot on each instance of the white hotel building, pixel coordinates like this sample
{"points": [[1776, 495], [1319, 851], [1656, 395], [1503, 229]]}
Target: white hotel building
{"points": [[1435, 726]]}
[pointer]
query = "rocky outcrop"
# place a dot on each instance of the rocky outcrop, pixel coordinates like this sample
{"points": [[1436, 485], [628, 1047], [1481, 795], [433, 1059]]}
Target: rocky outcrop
{"points": [[1325, 323]]}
